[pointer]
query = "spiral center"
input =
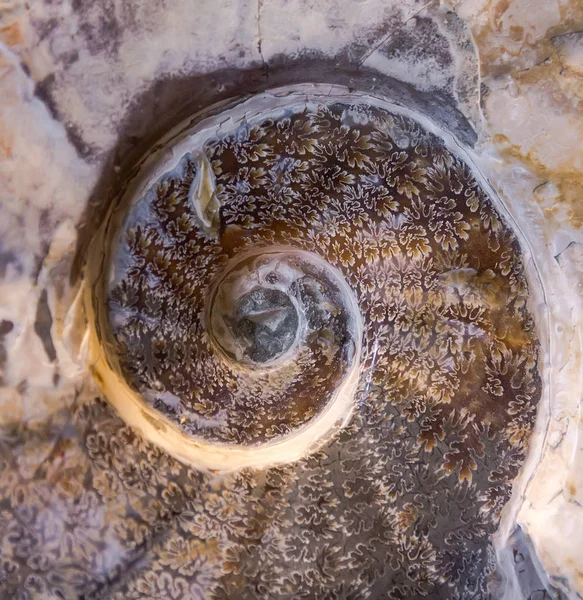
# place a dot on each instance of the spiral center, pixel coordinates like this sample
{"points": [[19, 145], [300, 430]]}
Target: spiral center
{"points": [[265, 324], [271, 308]]}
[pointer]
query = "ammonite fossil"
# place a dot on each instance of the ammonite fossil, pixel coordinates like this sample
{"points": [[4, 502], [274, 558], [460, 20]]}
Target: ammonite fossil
{"points": [[313, 312]]}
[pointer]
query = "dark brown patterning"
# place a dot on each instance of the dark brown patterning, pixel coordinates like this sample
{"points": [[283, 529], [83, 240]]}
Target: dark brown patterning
{"points": [[402, 503]]}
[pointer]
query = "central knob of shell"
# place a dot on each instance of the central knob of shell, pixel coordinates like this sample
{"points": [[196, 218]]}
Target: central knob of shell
{"points": [[265, 325], [268, 306]]}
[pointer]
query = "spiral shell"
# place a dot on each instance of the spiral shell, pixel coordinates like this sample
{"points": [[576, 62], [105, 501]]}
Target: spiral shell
{"points": [[323, 284]]}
